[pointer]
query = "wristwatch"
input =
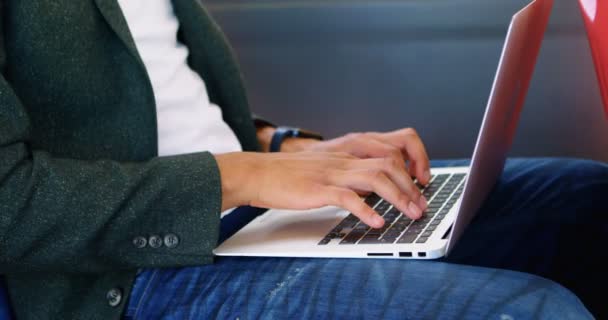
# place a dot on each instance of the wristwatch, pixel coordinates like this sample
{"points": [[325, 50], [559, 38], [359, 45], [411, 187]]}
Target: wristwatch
{"points": [[283, 133]]}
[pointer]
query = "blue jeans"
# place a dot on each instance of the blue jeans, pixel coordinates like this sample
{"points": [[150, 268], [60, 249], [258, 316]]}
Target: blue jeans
{"points": [[546, 217]]}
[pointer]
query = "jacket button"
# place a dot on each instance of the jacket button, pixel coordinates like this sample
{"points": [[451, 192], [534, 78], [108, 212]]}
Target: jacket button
{"points": [[171, 240], [140, 242], [155, 241], [114, 297]]}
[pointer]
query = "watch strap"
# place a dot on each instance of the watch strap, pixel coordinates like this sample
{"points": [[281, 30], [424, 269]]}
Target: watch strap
{"points": [[282, 133]]}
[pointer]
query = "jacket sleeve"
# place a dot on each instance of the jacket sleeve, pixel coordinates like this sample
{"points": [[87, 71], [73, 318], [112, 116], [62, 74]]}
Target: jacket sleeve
{"points": [[77, 216]]}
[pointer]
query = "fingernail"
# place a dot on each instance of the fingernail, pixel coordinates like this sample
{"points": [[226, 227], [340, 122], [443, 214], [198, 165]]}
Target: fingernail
{"points": [[423, 203], [378, 221], [414, 210], [427, 175]]}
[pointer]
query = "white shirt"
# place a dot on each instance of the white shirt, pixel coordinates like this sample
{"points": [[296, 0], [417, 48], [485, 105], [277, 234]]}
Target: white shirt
{"points": [[187, 121]]}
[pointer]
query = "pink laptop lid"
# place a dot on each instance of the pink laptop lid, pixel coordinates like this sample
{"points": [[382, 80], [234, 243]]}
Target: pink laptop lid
{"points": [[595, 14], [515, 70]]}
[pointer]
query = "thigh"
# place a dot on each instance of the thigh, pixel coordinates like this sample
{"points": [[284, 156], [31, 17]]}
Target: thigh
{"points": [[273, 288], [548, 217], [531, 195], [544, 216], [534, 203]]}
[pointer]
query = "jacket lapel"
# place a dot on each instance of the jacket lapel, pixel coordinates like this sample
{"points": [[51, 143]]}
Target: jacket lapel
{"points": [[110, 9]]}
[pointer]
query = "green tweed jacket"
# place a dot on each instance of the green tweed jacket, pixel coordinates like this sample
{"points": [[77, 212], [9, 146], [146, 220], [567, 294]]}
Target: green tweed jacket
{"points": [[84, 201]]}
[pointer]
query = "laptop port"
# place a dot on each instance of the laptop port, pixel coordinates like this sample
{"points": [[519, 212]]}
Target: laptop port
{"points": [[405, 254], [422, 254], [375, 254]]}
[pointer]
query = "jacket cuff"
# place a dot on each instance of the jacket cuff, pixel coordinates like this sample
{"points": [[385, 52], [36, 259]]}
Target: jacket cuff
{"points": [[183, 227]]}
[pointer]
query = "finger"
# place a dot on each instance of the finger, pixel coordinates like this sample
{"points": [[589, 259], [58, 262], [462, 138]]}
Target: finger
{"points": [[397, 173], [326, 155], [371, 147], [314, 161], [349, 200], [377, 181], [375, 148], [408, 141], [340, 155], [314, 155]]}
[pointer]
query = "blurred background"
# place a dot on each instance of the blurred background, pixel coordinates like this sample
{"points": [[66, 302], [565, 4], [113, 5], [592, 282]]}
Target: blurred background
{"points": [[337, 66]]}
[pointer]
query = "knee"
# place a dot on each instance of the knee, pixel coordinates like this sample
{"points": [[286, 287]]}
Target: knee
{"points": [[579, 170], [544, 298], [565, 168], [558, 174]]}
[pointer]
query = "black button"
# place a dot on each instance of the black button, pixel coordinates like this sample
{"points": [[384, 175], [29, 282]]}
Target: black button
{"points": [[155, 241], [114, 297], [140, 242], [171, 240]]}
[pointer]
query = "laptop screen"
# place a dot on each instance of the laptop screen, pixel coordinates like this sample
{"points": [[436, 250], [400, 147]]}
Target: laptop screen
{"points": [[515, 70], [595, 14]]}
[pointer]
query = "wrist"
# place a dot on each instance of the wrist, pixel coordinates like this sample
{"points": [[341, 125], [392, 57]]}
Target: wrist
{"points": [[235, 174], [291, 144], [300, 139], [264, 135], [298, 144]]}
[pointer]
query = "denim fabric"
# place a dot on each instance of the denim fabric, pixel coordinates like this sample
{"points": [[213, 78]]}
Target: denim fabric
{"points": [[288, 288], [545, 216], [5, 310]]}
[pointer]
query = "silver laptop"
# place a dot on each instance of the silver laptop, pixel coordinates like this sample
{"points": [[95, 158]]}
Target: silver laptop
{"points": [[455, 194]]}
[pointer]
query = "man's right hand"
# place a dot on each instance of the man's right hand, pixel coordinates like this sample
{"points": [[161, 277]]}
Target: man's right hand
{"points": [[301, 181]]}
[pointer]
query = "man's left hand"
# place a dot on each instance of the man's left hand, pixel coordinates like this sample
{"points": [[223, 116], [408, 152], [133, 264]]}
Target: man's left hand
{"points": [[402, 145]]}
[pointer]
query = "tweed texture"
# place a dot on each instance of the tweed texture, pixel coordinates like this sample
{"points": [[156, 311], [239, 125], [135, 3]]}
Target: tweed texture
{"points": [[79, 176]]}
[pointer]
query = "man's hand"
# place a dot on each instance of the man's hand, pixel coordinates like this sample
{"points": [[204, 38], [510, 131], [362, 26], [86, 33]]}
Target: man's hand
{"points": [[306, 180], [404, 145], [401, 145]]}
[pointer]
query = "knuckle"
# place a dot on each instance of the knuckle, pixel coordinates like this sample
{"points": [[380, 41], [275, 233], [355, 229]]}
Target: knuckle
{"points": [[410, 189], [353, 135], [410, 132], [368, 213], [403, 198], [391, 163], [387, 162], [366, 135], [345, 155], [395, 153], [376, 175], [327, 176], [344, 197], [414, 195]]}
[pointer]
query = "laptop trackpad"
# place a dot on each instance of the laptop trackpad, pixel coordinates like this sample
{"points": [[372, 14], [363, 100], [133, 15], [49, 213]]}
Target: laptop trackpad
{"points": [[285, 228]]}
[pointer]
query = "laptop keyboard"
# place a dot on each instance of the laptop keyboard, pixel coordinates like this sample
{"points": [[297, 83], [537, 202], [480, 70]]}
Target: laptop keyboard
{"points": [[442, 192]]}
